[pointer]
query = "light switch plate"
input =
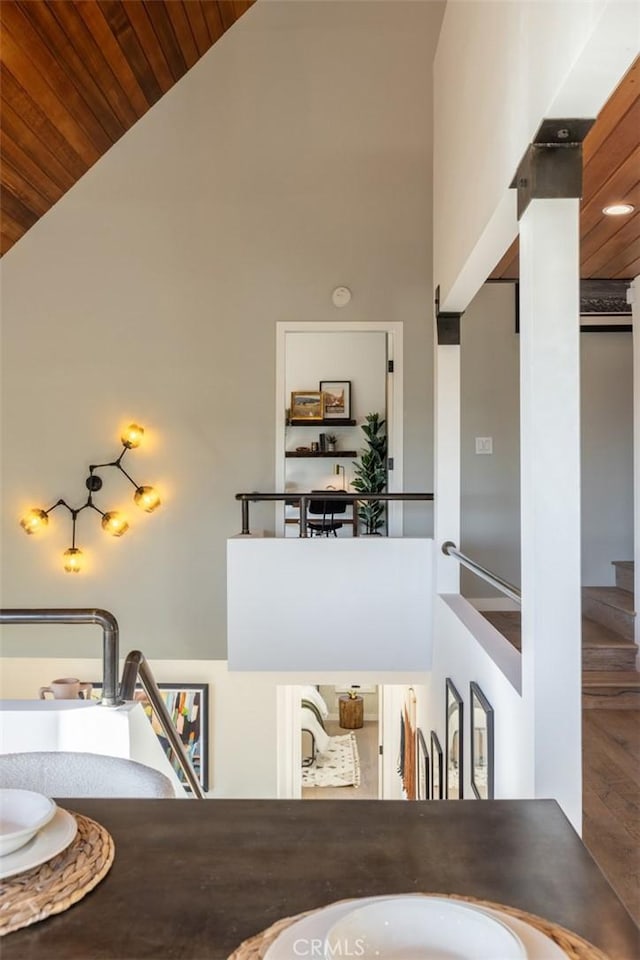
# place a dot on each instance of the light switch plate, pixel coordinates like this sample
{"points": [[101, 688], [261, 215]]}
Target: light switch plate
{"points": [[484, 444]]}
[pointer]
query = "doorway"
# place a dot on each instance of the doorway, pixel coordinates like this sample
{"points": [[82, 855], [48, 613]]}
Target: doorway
{"points": [[367, 357]]}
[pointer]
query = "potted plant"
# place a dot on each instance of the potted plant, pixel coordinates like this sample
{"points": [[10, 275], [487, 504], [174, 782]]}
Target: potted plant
{"points": [[371, 473], [331, 441]]}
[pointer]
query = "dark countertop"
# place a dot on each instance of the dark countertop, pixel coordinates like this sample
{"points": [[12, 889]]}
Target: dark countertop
{"points": [[192, 879]]}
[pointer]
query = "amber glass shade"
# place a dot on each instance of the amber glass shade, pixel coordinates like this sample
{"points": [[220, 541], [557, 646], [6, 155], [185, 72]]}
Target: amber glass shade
{"points": [[147, 498], [132, 436], [34, 521], [73, 560], [114, 523]]}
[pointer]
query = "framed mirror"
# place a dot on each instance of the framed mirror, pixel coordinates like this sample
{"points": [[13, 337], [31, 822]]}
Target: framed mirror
{"points": [[482, 744], [422, 769], [454, 742], [436, 767]]}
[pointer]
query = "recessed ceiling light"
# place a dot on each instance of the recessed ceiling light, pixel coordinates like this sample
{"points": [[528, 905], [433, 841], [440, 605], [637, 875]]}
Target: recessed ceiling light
{"points": [[618, 209]]}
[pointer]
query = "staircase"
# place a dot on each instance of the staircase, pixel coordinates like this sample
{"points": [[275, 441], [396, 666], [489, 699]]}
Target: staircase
{"points": [[610, 679]]}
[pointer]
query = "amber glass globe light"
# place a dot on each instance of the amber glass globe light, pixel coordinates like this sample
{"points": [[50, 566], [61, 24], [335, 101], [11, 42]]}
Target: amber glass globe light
{"points": [[34, 521], [132, 436], [73, 559], [114, 523], [147, 498]]}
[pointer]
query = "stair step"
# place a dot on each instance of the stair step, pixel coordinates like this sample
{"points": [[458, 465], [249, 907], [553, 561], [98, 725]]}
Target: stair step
{"points": [[602, 649], [611, 690], [624, 574], [611, 607]]}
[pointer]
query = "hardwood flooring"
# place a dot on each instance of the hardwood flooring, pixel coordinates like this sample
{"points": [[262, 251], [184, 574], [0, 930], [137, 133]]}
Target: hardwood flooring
{"points": [[611, 799], [367, 738]]}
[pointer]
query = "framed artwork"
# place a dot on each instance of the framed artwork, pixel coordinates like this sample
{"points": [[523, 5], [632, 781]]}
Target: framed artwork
{"points": [[436, 768], [188, 706], [454, 742], [422, 771], [337, 399], [306, 405], [482, 744]]}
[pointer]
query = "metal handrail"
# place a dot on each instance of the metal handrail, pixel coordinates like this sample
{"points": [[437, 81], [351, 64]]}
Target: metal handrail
{"points": [[341, 496], [110, 633], [136, 665], [450, 550]]}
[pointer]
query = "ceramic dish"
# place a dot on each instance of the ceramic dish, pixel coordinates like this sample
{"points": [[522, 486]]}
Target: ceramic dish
{"points": [[22, 814], [422, 928], [310, 933], [54, 837]]}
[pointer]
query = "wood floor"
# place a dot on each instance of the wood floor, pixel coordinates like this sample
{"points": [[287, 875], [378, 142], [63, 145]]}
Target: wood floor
{"points": [[367, 738], [611, 799]]}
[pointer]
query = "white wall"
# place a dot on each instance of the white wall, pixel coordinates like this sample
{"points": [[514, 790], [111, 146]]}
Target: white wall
{"points": [[326, 604], [546, 59], [295, 156], [607, 453], [490, 407], [462, 658]]}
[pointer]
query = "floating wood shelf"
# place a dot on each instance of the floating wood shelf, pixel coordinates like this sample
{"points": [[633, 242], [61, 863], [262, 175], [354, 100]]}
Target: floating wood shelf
{"points": [[321, 453], [322, 423]]}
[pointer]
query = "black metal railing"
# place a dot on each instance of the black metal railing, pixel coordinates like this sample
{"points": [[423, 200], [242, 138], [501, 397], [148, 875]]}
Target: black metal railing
{"points": [[302, 499]]}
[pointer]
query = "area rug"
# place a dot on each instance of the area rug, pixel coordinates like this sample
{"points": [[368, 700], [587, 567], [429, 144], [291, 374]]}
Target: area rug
{"points": [[338, 766]]}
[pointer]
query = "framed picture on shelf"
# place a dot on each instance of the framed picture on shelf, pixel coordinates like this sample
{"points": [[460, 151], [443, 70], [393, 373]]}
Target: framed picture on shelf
{"points": [[188, 706], [337, 399], [454, 743], [422, 770], [306, 405], [436, 767], [482, 741]]}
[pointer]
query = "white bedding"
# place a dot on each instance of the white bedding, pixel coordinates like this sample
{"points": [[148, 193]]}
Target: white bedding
{"points": [[310, 693]]}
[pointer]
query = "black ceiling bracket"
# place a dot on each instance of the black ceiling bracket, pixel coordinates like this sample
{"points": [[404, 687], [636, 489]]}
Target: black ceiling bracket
{"points": [[448, 324], [551, 168]]}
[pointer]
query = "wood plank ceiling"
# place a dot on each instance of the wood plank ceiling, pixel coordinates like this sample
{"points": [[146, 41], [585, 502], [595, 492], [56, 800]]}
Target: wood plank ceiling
{"points": [[609, 246], [75, 75]]}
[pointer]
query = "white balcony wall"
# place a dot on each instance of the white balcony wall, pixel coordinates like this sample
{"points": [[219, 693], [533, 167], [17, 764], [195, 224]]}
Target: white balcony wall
{"points": [[472, 649], [327, 604]]}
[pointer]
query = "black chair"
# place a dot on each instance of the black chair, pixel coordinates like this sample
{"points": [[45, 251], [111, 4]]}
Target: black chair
{"points": [[325, 511]]}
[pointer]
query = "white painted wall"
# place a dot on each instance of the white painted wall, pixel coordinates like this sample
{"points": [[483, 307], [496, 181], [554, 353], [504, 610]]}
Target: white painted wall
{"points": [[243, 720], [546, 59], [295, 156], [490, 485], [358, 604], [463, 658]]}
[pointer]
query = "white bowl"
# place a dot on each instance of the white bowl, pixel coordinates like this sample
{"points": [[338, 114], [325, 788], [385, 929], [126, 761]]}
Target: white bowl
{"points": [[422, 928], [22, 814]]}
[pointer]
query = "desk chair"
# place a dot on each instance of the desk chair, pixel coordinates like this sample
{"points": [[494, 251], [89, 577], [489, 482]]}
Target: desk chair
{"points": [[63, 774], [325, 511]]}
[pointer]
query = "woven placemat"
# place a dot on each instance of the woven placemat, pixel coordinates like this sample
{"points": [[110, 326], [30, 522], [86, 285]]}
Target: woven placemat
{"points": [[574, 946], [56, 885]]}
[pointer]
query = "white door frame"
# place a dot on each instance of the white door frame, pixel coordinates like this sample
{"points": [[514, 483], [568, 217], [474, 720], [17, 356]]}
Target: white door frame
{"points": [[395, 445]]}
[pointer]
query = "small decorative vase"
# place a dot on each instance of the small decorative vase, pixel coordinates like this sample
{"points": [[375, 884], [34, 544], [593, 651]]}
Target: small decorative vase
{"points": [[331, 448]]}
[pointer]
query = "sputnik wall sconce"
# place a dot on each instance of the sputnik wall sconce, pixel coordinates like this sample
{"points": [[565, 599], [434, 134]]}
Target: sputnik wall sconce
{"points": [[113, 522]]}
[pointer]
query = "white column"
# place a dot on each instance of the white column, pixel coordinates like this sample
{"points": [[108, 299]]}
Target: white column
{"points": [[447, 464], [635, 308], [550, 492]]}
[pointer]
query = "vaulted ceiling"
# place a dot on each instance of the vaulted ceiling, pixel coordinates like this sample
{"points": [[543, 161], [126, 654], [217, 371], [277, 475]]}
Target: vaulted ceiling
{"points": [[609, 246], [75, 75]]}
